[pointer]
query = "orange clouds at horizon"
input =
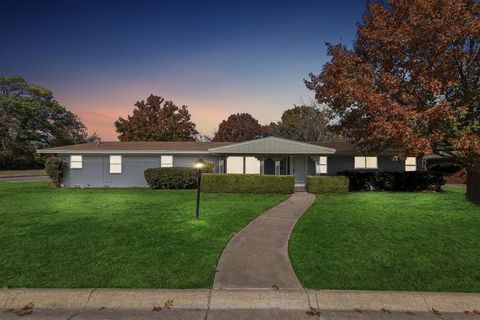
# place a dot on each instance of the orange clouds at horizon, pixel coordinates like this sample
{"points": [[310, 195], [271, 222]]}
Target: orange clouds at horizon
{"points": [[100, 111]]}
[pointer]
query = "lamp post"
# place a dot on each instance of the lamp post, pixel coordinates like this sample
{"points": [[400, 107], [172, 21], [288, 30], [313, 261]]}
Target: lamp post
{"points": [[199, 164]]}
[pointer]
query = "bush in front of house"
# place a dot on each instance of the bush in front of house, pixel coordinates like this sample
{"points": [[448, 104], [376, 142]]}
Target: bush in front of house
{"points": [[327, 184], [247, 183], [394, 181], [173, 178], [54, 167]]}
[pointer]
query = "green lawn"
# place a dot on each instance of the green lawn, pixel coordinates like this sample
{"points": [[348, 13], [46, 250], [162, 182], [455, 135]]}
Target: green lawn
{"points": [[122, 238], [389, 241]]}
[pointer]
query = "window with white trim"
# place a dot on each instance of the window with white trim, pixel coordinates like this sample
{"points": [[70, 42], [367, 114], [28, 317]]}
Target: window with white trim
{"points": [[321, 165], [411, 164], [166, 161], [115, 164], [366, 163], [76, 162], [234, 164], [252, 165]]}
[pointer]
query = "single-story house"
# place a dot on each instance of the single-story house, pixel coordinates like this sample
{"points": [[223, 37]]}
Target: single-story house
{"points": [[122, 164]]}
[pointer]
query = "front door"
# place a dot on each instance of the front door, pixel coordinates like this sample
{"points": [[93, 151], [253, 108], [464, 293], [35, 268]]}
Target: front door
{"points": [[299, 169]]}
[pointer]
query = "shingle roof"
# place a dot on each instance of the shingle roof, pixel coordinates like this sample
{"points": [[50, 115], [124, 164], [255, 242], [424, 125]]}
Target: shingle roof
{"points": [[340, 147], [141, 146]]}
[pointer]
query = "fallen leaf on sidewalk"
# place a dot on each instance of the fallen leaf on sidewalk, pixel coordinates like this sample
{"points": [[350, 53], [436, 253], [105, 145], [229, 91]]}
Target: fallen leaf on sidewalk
{"points": [[410, 313], [385, 310], [475, 311], [469, 313], [168, 304], [9, 310], [25, 311], [313, 312], [358, 310], [275, 287], [157, 308], [436, 312]]}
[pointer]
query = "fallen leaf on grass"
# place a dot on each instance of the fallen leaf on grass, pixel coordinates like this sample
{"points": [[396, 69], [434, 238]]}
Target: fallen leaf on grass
{"points": [[385, 310], [313, 312], [358, 310], [436, 312]]}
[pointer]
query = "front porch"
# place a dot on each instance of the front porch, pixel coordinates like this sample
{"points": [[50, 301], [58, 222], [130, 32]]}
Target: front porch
{"points": [[274, 156]]}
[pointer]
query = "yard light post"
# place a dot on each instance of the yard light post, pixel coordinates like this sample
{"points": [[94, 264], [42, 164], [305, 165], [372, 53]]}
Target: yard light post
{"points": [[199, 164]]}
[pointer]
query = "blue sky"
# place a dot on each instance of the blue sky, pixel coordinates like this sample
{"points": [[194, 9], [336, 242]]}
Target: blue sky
{"points": [[216, 57]]}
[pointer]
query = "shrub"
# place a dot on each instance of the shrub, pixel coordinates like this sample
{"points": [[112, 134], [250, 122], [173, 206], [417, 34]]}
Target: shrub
{"points": [[327, 184], [173, 178], [247, 183], [394, 181], [55, 168], [445, 168]]}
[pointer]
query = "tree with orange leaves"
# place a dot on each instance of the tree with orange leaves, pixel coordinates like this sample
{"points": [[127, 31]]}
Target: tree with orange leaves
{"points": [[411, 81]]}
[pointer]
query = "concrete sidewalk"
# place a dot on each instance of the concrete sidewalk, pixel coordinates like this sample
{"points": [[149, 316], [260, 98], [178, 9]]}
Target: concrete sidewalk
{"points": [[257, 256], [235, 304]]}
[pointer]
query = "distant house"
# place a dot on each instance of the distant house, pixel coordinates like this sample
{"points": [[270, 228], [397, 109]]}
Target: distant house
{"points": [[122, 164]]}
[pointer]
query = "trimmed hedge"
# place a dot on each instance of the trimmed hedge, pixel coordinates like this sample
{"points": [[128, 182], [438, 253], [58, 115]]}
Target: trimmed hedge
{"points": [[247, 183], [327, 184], [394, 181], [173, 178]]}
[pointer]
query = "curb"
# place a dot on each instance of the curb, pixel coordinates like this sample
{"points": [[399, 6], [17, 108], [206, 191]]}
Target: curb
{"points": [[236, 299]]}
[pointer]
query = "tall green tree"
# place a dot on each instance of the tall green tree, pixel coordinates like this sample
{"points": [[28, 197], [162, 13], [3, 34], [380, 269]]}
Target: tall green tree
{"points": [[29, 119], [303, 123], [157, 120]]}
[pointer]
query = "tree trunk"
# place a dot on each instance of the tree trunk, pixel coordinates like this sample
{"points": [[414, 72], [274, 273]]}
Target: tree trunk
{"points": [[473, 186]]}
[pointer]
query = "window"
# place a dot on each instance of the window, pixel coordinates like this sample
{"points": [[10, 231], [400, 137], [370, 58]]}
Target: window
{"points": [[252, 165], [76, 162], [166, 161], [321, 165], [366, 163], [115, 164], [235, 165], [411, 164]]}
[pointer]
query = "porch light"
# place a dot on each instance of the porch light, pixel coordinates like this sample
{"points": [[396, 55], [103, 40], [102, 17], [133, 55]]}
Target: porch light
{"points": [[199, 164]]}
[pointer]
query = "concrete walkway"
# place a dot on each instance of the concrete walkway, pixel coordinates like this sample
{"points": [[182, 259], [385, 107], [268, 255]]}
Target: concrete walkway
{"points": [[201, 304], [257, 256]]}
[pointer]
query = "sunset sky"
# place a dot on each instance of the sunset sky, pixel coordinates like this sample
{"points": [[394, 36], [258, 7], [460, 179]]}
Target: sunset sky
{"points": [[216, 57]]}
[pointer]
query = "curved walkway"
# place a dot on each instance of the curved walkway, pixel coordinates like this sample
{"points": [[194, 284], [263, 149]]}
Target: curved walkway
{"points": [[257, 256]]}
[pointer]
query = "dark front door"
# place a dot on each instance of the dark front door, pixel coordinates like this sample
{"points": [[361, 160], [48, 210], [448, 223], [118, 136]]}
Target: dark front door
{"points": [[299, 164]]}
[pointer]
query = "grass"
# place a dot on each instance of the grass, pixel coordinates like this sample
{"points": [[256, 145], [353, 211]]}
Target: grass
{"points": [[389, 241], [123, 238], [21, 173]]}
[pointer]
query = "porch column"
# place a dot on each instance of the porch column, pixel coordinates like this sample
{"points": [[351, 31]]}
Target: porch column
{"points": [[277, 161], [277, 167], [262, 164], [221, 166]]}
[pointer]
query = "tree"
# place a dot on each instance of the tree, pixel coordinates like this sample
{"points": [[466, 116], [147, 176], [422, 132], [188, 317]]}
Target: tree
{"points": [[29, 119], [239, 127], [303, 123], [411, 80], [157, 120]]}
